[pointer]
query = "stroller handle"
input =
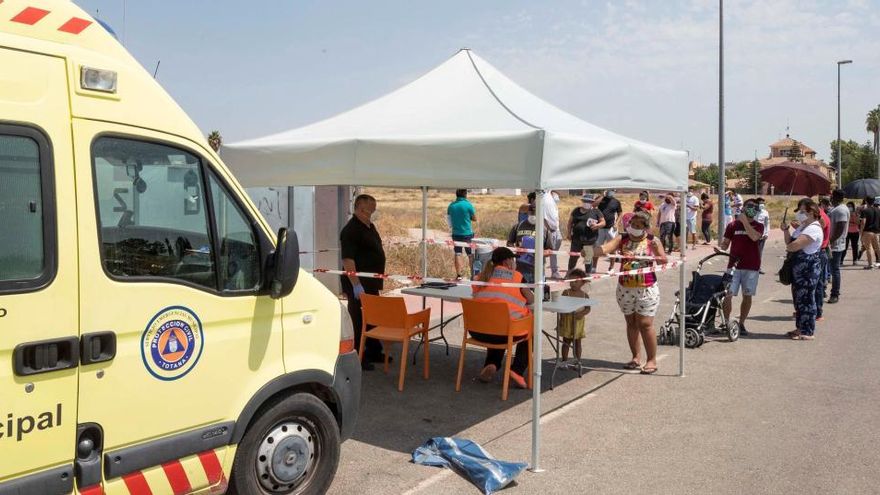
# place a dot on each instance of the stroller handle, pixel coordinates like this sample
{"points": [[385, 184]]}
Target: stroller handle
{"points": [[718, 253]]}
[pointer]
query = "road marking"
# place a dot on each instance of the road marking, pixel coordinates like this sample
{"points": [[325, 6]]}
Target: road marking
{"points": [[545, 418], [432, 480]]}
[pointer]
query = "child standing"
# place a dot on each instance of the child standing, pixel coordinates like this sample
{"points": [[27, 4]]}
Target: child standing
{"points": [[571, 325]]}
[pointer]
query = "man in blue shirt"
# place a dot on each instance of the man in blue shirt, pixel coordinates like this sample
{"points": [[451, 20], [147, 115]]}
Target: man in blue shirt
{"points": [[461, 215]]}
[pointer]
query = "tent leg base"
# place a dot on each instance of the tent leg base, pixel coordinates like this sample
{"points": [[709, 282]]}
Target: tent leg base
{"points": [[538, 470]]}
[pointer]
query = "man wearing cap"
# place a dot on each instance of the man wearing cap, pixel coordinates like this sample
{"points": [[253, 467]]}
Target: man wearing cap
{"points": [[583, 230], [611, 209], [523, 236]]}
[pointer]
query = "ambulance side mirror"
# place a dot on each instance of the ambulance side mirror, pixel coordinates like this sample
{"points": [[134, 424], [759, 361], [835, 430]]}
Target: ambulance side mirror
{"points": [[285, 266]]}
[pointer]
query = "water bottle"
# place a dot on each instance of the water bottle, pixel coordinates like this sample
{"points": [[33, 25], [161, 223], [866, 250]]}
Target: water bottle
{"points": [[478, 267]]}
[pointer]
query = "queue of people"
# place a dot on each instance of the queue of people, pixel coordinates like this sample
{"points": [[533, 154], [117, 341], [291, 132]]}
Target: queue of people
{"points": [[816, 240]]}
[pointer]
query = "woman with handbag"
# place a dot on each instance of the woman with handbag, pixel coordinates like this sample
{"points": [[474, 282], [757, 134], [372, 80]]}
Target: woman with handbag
{"points": [[803, 246]]}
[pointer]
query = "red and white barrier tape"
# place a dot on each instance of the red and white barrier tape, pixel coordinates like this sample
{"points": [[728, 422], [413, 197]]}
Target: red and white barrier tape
{"points": [[409, 279], [495, 243]]}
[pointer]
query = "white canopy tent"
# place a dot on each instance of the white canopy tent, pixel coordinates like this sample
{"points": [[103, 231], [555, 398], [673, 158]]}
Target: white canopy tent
{"points": [[462, 125]]}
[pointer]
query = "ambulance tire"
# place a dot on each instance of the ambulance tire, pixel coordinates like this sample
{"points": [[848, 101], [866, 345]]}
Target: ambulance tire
{"points": [[318, 426]]}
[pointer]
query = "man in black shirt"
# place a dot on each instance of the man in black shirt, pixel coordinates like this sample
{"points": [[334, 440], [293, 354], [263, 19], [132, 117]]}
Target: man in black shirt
{"points": [[611, 210], [583, 230], [362, 251], [870, 227]]}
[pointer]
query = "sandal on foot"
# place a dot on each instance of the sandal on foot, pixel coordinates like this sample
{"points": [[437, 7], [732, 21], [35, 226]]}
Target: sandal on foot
{"points": [[632, 365], [648, 371]]}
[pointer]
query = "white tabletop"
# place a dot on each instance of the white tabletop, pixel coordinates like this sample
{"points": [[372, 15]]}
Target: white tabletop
{"points": [[452, 294], [564, 304]]}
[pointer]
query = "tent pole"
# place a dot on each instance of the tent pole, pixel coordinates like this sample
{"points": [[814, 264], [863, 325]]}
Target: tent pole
{"points": [[424, 231], [424, 238], [536, 332], [682, 234]]}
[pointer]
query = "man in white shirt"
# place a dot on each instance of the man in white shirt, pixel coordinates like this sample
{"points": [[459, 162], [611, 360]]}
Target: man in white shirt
{"points": [[551, 219], [736, 203], [693, 207], [763, 218], [839, 216]]}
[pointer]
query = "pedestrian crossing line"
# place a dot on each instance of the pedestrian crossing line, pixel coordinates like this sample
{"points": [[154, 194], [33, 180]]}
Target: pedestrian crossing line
{"points": [[430, 481]]}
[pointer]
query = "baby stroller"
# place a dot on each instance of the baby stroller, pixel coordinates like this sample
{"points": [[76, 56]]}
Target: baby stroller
{"points": [[703, 313]]}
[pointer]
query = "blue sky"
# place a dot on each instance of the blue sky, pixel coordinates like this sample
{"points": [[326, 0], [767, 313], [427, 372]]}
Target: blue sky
{"points": [[647, 69]]}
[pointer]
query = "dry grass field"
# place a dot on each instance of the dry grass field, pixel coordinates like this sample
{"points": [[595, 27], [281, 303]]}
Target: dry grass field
{"points": [[399, 219]]}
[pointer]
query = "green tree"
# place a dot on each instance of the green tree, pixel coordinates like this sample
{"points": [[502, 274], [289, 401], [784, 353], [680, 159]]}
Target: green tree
{"points": [[859, 161], [708, 174], [750, 178], [872, 125]]}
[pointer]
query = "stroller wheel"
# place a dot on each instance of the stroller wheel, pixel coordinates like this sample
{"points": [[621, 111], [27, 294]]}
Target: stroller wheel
{"points": [[702, 338], [733, 330], [692, 338], [665, 335]]}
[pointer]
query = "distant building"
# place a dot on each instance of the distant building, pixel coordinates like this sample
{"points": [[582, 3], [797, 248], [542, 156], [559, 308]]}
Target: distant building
{"points": [[792, 150]]}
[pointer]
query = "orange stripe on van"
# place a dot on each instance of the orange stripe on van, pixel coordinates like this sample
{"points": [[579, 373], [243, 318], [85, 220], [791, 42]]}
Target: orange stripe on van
{"points": [[30, 16], [137, 484], [94, 489], [177, 477], [75, 25]]}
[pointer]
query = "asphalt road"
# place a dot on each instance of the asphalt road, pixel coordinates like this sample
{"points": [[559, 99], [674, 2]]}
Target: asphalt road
{"points": [[761, 415]]}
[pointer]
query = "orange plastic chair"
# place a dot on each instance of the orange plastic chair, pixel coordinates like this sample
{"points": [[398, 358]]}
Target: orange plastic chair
{"points": [[493, 318], [393, 324]]}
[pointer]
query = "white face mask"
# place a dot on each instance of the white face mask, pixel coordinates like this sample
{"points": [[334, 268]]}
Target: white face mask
{"points": [[587, 206], [555, 197], [762, 207], [801, 217], [532, 219], [634, 232]]}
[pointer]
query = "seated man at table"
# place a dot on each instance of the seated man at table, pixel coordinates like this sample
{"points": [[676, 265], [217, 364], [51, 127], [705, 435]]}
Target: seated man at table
{"points": [[502, 269]]}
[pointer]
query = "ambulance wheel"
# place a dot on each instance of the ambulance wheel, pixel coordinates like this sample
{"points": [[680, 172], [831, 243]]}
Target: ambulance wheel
{"points": [[291, 448]]}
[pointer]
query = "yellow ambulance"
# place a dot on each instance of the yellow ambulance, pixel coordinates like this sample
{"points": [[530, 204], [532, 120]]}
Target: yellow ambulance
{"points": [[155, 335]]}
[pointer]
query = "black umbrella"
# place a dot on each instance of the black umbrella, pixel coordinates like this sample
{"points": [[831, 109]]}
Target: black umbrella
{"points": [[862, 188]]}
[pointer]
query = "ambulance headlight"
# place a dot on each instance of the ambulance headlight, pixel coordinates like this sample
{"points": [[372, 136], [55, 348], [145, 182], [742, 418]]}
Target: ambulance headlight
{"points": [[98, 79]]}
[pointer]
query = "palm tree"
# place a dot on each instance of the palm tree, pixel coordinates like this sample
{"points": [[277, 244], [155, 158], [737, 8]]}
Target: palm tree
{"points": [[215, 140], [872, 124]]}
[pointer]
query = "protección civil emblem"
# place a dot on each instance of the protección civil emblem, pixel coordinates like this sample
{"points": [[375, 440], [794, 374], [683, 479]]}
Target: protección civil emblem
{"points": [[172, 343]]}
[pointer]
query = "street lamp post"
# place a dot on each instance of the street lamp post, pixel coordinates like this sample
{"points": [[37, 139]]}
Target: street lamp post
{"points": [[839, 157], [722, 183]]}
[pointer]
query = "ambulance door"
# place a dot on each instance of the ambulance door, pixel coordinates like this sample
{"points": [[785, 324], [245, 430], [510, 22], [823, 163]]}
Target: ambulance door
{"points": [[172, 271], [39, 345]]}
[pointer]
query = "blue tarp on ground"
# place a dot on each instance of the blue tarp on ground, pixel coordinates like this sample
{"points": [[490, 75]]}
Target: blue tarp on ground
{"points": [[470, 460]]}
